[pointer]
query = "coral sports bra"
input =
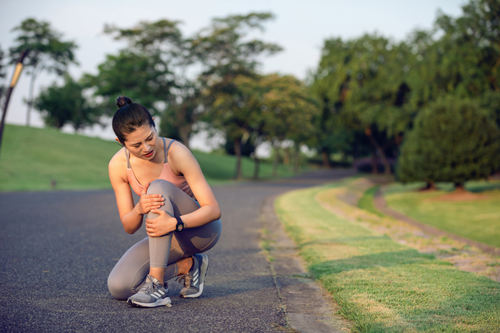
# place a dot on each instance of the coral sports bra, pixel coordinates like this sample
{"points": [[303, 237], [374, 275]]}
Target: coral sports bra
{"points": [[166, 174]]}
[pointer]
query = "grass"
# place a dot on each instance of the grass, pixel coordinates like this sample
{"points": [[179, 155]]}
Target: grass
{"points": [[43, 159], [380, 285], [474, 219], [366, 201]]}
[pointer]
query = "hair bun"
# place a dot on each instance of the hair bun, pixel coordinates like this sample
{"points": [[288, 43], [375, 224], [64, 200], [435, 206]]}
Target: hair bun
{"points": [[122, 101]]}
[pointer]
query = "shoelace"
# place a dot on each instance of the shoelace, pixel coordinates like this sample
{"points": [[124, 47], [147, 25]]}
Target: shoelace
{"points": [[184, 278], [149, 286]]}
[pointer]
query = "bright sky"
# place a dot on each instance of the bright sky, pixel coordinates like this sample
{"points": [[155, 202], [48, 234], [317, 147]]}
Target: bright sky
{"points": [[300, 27]]}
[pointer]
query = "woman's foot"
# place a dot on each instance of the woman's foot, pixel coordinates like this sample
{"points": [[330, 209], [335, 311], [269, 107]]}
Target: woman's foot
{"points": [[151, 294], [195, 280]]}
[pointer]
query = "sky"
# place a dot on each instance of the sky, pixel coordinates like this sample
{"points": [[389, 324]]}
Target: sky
{"points": [[300, 27]]}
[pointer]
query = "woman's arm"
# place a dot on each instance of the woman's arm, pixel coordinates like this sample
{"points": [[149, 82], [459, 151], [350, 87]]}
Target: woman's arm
{"points": [[183, 161], [130, 215]]}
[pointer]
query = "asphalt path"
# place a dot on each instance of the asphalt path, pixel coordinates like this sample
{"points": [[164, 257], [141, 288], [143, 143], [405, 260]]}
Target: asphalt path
{"points": [[57, 249]]}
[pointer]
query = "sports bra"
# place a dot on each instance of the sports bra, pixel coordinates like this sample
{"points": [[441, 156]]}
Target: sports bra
{"points": [[166, 174]]}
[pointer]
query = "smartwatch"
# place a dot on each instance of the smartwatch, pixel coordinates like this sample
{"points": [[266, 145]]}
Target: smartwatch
{"points": [[180, 225]]}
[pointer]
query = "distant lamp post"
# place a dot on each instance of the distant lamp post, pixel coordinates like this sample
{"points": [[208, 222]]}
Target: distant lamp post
{"points": [[15, 78]]}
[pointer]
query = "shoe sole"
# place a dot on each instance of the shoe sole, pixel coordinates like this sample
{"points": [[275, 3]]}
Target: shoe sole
{"points": [[203, 273], [161, 302]]}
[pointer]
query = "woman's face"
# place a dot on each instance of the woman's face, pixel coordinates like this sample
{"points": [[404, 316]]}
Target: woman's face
{"points": [[142, 142]]}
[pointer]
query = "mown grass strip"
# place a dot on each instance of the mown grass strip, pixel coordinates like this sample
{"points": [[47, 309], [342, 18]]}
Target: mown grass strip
{"points": [[44, 158], [476, 219], [366, 201], [383, 286]]}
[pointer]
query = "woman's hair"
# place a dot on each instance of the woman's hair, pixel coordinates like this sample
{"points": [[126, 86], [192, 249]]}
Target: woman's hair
{"points": [[128, 117]]}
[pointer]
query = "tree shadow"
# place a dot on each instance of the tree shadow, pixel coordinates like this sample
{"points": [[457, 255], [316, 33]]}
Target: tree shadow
{"points": [[343, 240], [383, 259]]}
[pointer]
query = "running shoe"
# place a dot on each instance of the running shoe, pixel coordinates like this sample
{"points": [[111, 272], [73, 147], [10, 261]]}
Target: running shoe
{"points": [[195, 280], [151, 294]]}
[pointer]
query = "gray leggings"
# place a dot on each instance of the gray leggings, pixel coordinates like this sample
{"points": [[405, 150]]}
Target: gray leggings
{"points": [[164, 251]]}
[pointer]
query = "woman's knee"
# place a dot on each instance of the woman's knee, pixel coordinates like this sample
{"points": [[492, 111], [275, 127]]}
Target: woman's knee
{"points": [[118, 287], [161, 186]]}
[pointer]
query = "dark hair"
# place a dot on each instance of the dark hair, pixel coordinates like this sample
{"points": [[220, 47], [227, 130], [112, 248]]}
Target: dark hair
{"points": [[128, 117]]}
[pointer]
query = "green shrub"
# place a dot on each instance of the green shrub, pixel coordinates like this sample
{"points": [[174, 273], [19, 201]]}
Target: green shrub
{"points": [[452, 140]]}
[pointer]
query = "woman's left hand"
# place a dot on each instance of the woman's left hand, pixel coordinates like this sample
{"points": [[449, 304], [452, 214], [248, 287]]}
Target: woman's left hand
{"points": [[160, 225]]}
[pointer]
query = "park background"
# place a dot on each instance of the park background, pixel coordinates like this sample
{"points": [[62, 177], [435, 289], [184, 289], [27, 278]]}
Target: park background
{"points": [[403, 92]]}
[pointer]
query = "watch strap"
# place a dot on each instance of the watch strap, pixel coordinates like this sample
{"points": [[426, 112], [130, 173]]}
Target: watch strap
{"points": [[179, 222]]}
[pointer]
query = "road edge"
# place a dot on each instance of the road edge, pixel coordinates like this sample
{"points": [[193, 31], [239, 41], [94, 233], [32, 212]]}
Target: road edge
{"points": [[306, 305]]}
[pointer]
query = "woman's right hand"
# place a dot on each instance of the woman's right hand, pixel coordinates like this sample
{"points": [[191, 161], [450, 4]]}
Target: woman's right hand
{"points": [[147, 202]]}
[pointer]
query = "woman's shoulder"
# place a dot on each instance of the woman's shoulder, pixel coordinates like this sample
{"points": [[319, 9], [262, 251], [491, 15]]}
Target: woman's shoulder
{"points": [[177, 149], [118, 161], [178, 154]]}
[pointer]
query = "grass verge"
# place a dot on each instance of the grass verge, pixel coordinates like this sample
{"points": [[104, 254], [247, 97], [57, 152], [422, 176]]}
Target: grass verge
{"points": [[366, 201], [380, 285], [44, 158], [475, 217]]}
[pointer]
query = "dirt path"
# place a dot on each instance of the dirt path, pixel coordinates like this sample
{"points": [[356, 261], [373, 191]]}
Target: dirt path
{"points": [[461, 254], [381, 205]]}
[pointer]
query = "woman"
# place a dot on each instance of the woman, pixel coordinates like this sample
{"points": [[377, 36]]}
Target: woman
{"points": [[181, 213]]}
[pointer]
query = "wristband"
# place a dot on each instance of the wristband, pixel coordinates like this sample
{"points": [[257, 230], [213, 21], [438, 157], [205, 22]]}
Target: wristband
{"points": [[180, 225]]}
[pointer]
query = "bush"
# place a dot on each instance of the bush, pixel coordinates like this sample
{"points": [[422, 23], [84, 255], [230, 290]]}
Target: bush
{"points": [[452, 141]]}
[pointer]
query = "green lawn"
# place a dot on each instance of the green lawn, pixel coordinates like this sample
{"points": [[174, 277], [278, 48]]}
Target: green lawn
{"points": [[366, 201], [35, 158], [477, 219], [380, 285]]}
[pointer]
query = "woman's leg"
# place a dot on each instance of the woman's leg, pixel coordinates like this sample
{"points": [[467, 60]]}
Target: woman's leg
{"points": [[129, 271], [189, 242], [177, 203], [168, 252]]}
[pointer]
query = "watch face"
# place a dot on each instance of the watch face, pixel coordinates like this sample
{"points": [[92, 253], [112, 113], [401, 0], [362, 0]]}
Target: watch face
{"points": [[180, 227]]}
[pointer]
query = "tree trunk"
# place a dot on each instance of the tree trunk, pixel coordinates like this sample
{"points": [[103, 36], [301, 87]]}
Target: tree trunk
{"points": [[184, 127], [459, 187], [275, 161], [374, 162], [380, 151], [237, 151], [429, 186], [185, 134], [256, 166], [286, 156], [325, 154], [30, 98], [296, 159]]}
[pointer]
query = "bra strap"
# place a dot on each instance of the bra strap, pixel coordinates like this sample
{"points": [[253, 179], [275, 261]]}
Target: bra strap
{"points": [[128, 160], [167, 149]]}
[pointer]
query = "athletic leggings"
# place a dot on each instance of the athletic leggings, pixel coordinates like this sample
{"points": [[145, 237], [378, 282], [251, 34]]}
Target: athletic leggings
{"points": [[165, 251]]}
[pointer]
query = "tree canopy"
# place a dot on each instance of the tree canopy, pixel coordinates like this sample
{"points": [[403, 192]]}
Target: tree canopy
{"points": [[363, 99], [453, 140], [67, 104], [48, 52], [370, 88]]}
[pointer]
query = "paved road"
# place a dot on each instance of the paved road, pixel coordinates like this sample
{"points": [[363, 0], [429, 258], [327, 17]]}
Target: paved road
{"points": [[57, 248]]}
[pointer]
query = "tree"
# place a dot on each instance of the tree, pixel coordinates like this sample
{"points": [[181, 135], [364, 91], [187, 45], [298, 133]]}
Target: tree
{"points": [[66, 104], [226, 52], [460, 56], [48, 52], [2, 76], [452, 141], [286, 112], [144, 78], [361, 84], [272, 108], [179, 101], [181, 113]]}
